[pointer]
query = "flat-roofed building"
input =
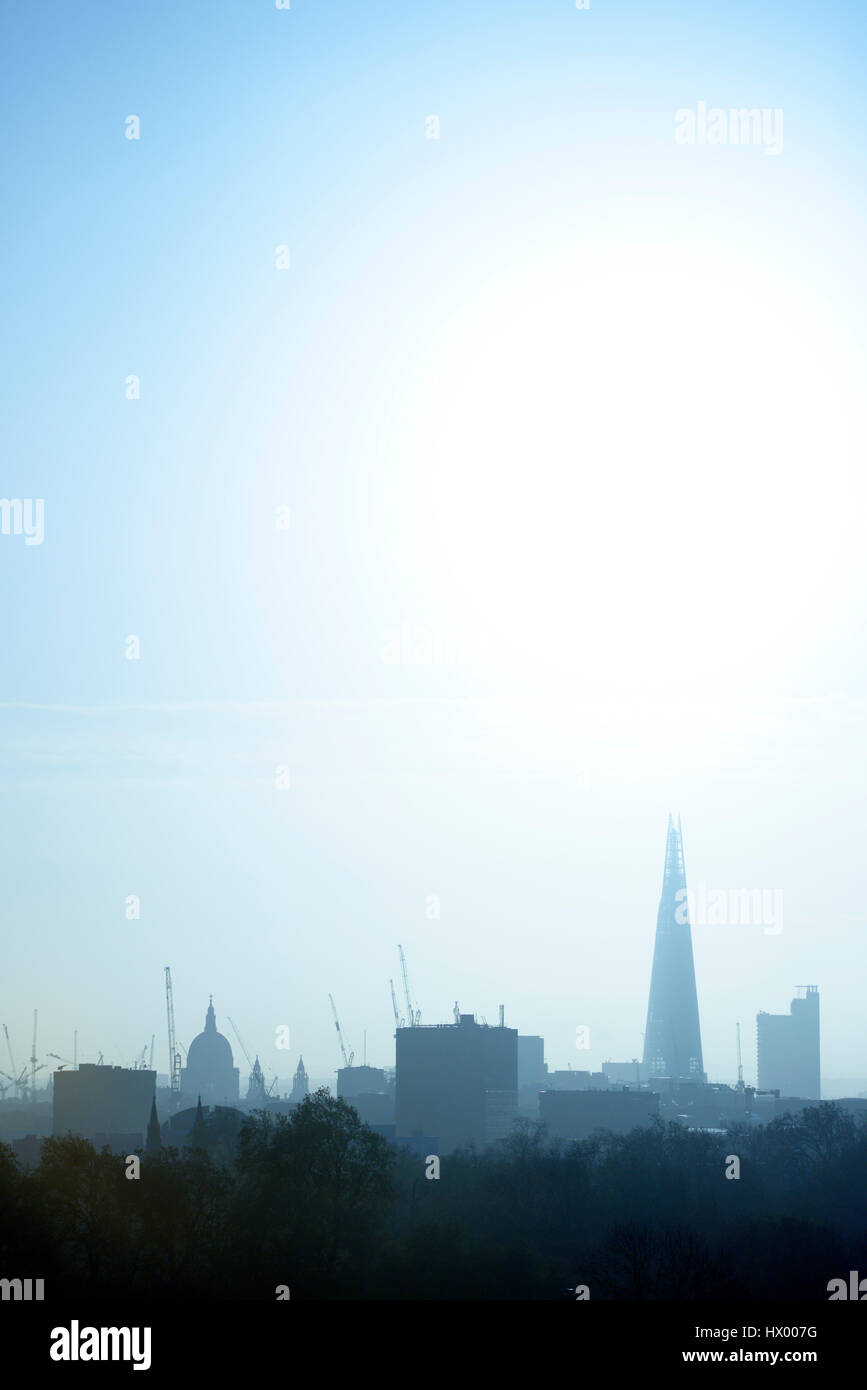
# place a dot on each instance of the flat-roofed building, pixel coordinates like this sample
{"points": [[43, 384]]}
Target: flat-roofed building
{"points": [[107, 1105], [457, 1082], [572, 1114], [360, 1081], [788, 1048]]}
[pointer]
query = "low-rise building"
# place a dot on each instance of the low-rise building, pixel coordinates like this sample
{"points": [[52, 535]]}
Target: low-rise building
{"points": [[572, 1114]]}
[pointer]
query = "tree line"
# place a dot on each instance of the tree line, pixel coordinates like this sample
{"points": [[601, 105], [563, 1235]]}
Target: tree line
{"points": [[318, 1203]]}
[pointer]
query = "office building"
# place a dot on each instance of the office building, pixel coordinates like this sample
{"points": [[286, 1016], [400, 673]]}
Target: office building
{"points": [[672, 1038], [532, 1067], [456, 1081], [788, 1048], [107, 1105], [360, 1081], [572, 1114]]}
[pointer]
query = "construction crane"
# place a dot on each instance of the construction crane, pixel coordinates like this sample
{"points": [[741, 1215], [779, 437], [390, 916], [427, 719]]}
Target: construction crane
{"points": [[413, 1016], [174, 1055], [151, 1058], [20, 1081], [19, 1077], [11, 1054], [398, 1021], [241, 1042], [33, 1061], [69, 1061], [347, 1061], [740, 1085]]}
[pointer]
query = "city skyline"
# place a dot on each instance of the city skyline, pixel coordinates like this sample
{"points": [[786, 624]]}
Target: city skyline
{"points": [[671, 1043], [437, 470]]}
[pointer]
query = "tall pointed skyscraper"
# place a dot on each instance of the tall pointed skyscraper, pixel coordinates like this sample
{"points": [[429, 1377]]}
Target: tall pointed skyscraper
{"points": [[672, 1040]]}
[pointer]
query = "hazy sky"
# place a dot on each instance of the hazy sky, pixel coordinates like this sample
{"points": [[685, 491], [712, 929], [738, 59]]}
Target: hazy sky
{"points": [[568, 406]]}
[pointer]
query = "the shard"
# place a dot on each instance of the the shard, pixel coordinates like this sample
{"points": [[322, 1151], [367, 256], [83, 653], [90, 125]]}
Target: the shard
{"points": [[672, 1039]]}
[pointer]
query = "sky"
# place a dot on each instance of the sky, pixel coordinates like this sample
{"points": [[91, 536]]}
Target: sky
{"points": [[480, 470]]}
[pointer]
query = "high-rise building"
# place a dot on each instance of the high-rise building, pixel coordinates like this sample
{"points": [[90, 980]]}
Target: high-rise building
{"points": [[107, 1105], [788, 1048], [532, 1074], [532, 1070], [456, 1081], [672, 1038]]}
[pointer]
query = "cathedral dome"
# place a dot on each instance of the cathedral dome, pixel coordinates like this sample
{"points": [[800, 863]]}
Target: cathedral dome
{"points": [[210, 1052]]}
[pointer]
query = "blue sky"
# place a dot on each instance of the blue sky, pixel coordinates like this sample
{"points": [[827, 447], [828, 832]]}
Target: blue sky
{"points": [[578, 402]]}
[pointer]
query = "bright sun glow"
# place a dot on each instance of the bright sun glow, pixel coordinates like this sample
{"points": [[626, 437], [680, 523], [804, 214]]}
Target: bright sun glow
{"points": [[635, 469]]}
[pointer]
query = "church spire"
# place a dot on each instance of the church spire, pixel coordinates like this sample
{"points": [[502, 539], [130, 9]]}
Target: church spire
{"points": [[153, 1143], [198, 1132], [256, 1087], [300, 1083]]}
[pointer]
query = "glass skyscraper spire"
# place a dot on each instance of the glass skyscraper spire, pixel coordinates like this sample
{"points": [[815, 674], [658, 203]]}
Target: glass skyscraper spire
{"points": [[672, 1038]]}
